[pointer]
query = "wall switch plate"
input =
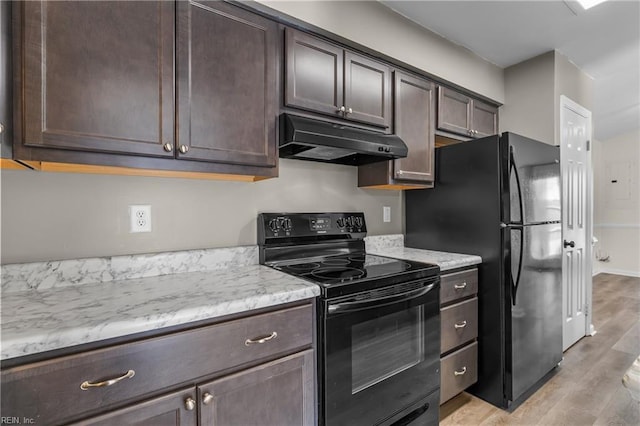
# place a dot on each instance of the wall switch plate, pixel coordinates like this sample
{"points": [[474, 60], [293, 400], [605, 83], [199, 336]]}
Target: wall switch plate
{"points": [[139, 218], [386, 214]]}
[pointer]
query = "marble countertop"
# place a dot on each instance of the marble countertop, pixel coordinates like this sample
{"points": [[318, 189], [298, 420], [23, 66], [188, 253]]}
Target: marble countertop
{"points": [[35, 321], [446, 261]]}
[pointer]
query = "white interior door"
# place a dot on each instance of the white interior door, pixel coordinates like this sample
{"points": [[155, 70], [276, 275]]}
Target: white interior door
{"points": [[575, 158]]}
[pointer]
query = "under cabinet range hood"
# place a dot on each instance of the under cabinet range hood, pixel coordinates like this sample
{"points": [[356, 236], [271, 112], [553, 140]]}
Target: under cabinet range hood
{"points": [[315, 140]]}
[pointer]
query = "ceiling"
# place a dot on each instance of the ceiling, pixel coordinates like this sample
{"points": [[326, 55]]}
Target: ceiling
{"points": [[603, 41]]}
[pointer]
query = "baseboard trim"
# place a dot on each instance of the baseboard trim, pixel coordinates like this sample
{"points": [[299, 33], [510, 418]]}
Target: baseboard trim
{"points": [[613, 271]]}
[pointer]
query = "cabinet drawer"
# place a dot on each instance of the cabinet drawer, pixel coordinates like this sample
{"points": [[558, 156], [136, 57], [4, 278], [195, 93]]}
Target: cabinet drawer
{"points": [[459, 371], [458, 285], [458, 324], [51, 389]]}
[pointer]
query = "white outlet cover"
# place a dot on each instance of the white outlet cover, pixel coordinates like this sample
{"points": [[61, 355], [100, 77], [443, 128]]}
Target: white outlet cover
{"points": [[139, 218], [386, 214]]}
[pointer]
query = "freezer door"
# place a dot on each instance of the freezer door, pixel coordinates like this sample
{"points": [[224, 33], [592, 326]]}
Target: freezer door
{"points": [[534, 281], [533, 180]]}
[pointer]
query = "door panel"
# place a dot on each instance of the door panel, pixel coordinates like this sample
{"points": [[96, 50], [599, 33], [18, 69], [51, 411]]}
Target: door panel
{"points": [[454, 111], [227, 81], [536, 176], [414, 118], [536, 325], [575, 158], [314, 74], [280, 392], [98, 76], [367, 90], [485, 119], [167, 410]]}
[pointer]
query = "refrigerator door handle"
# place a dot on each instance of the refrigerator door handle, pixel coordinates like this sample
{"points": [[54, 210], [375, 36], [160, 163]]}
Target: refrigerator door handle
{"points": [[516, 283], [512, 160]]}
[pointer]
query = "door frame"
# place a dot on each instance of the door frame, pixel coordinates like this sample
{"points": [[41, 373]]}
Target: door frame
{"points": [[568, 104]]}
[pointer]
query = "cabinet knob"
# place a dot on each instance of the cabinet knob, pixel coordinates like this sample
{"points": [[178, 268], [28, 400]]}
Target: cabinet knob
{"points": [[184, 149], [342, 109], [168, 147], [349, 111], [207, 398], [189, 404], [1, 128], [475, 132]]}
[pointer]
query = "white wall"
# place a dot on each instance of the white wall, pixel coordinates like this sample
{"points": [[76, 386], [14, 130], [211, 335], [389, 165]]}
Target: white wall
{"points": [[617, 205]]}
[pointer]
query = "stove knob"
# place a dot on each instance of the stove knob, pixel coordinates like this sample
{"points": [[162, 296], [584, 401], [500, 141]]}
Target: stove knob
{"points": [[340, 222], [358, 221], [273, 225], [350, 221], [286, 224]]}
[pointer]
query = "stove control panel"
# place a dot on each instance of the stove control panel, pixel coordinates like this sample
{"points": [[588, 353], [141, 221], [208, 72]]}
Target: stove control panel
{"points": [[301, 225]]}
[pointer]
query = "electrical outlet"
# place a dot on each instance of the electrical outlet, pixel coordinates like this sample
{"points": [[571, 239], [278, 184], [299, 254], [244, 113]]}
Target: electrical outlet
{"points": [[386, 214], [139, 219]]}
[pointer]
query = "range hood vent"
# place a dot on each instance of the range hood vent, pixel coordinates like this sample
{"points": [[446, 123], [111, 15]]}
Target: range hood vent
{"points": [[316, 140]]}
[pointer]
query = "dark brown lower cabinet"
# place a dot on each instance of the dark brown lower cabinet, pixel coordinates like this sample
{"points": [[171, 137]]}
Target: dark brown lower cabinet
{"points": [[279, 393], [458, 332], [167, 410], [248, 370]]}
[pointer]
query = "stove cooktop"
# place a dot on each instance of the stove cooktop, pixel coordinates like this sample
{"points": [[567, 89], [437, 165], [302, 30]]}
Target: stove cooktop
{"points": [[348, 273]]}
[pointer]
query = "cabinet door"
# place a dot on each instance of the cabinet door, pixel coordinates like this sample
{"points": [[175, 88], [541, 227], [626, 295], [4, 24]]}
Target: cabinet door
{"points": [[6, 109], [98, 76], [367, 90], [314, 74], [454, 111], [281, 392], [227, 82], [414, 123], [167, 410], [485, 119]]}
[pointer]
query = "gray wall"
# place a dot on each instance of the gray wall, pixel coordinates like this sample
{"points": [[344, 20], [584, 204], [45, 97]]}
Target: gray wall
{"points": [[52, 216], [374, 25], [529, 93], [48, 216]]}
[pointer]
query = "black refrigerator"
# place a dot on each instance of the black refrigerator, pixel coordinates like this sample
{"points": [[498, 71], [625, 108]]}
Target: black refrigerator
{"points": [[499, 197]]}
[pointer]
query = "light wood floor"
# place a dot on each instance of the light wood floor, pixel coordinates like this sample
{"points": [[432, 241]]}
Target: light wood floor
{"points": [[587, 389]]}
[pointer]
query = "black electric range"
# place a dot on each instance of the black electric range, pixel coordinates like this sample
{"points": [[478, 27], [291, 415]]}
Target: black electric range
{"points": [[378, 318]]}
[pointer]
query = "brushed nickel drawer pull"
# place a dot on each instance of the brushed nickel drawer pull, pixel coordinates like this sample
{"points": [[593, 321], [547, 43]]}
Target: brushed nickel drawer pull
{"points": [[87, 385], [259, 340], [461, 372], [460, 286], [462, 324]]}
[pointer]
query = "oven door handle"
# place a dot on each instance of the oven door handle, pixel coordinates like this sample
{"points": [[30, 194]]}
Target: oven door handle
{"points": [[380, 301]]}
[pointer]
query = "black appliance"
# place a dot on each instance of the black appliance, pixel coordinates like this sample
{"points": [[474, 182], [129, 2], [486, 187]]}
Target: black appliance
{"points": [[378, 339], [315, 140], [499, 197]]}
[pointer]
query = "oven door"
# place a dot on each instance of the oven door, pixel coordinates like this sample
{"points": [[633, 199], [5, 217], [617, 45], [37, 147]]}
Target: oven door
{"points": [[381, 353]]}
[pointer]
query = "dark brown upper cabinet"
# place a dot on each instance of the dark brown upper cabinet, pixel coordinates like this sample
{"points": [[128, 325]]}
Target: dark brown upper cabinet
{"points": [[227, 82], [6, 110], [463, 115], [98, 76], [324, 78], [145, 85], [414, 121]]}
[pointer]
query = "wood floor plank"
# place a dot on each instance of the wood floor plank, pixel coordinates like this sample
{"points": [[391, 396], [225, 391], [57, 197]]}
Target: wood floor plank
{"points": [[587, 387]]}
